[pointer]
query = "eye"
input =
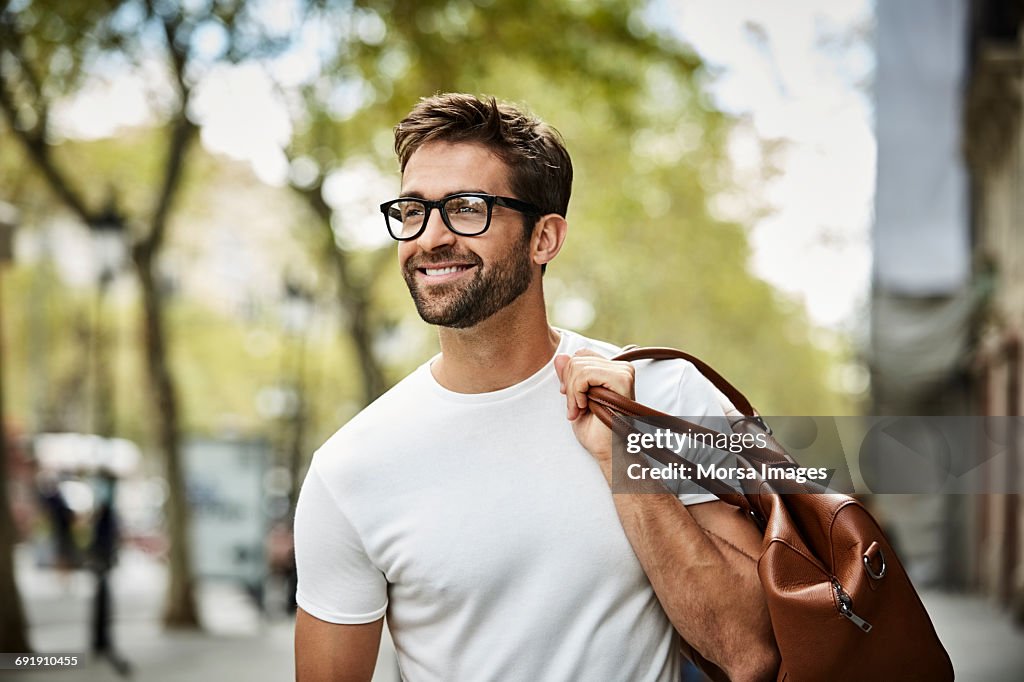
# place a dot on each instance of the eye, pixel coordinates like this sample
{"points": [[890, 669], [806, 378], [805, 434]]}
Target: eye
{"points": [[466, 206], [408, 211]]}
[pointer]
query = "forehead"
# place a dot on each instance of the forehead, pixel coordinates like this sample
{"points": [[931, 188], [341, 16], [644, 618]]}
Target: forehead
{"points": [[440, 168]]}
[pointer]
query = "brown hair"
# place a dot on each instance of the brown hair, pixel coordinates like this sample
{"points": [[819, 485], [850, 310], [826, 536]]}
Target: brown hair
{"points": [[540, 170]]}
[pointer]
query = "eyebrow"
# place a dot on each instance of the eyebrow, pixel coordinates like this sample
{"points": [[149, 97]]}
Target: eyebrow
{"points": [[418, 195]]}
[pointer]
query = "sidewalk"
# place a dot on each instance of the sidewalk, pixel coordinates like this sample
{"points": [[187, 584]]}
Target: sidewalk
{"points": [[237, 643], [981, 641], [240, 643]]}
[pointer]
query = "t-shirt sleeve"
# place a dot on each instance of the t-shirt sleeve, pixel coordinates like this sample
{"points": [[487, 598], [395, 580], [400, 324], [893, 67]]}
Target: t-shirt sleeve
{"points": [[337, 581], [678, 388]]}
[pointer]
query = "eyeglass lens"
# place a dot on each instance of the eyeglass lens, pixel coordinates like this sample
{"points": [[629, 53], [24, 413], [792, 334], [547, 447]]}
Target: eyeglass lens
{"points": [[467, 215]]}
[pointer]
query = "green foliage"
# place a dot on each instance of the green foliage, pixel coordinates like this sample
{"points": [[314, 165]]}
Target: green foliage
{"points": [[649, 153], [648, 149], [59, 37], [223, 363]]}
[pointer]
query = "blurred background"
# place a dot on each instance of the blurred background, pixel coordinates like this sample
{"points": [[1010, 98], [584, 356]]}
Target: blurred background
{"points": [[821, 199]]}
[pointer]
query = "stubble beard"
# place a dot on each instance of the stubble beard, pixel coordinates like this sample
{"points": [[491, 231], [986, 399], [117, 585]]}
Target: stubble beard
{"points": [[460, 305]]}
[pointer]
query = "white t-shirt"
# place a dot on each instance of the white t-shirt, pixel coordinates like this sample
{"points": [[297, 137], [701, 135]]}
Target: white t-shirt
{"points": [[487, 533]]}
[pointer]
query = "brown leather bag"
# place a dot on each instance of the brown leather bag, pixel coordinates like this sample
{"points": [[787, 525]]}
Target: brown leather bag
{"points": [[841, 604]]}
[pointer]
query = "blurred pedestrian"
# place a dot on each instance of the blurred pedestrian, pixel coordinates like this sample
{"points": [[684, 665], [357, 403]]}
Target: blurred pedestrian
{"points": [[62, 519], [102, 558], [280, 548]]}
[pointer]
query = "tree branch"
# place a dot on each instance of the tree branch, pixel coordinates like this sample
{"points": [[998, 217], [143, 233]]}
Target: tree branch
{"points": [[16, 40], [314, 196], [352, 296], [38, 150], [182, 133]]}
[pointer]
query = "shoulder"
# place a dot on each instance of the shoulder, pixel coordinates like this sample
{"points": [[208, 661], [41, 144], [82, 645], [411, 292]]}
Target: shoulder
{"points": [[678, 387], [672, 386], [573, 341], [364, 434]]}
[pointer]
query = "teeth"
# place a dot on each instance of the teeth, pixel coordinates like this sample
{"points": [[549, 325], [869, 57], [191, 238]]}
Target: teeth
{"points": [[443, 271]]}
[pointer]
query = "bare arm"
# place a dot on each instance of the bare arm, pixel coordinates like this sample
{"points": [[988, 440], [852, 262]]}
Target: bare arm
{"points": [[329, 652], [708, 587]]}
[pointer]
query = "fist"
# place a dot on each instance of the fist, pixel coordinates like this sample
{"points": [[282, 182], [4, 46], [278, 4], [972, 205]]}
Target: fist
{"points": [[577, 373]]}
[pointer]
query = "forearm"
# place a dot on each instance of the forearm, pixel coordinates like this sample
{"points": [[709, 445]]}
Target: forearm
{"points": [[709, 590], [329, 652]]}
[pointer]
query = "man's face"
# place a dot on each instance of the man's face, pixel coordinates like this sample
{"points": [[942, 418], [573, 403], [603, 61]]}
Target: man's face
{"points": [[459, 281]]}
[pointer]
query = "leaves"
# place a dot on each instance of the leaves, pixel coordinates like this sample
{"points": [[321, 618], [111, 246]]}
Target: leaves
{"points": [[644, 251]]}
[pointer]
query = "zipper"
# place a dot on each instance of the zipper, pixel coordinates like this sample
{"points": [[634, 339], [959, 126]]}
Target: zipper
{"points": [[845, 603]]}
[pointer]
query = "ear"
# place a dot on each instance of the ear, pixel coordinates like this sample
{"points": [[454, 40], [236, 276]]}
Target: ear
{"points": [[548, 236]]}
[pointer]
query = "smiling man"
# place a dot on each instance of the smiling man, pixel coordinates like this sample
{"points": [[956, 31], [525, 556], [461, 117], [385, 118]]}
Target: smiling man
{"points": [[471, 504]]}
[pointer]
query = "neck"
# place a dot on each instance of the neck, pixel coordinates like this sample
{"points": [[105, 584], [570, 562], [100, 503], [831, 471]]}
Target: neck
{"points": [[501, 351]]}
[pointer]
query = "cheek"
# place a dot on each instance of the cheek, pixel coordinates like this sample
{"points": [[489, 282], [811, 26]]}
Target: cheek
{"points": [[405, 252]]}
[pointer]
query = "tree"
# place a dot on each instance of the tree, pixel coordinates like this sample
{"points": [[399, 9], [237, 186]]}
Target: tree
{"points": [[13, 635], [392, 53], [50, 50], [650, 152], [647, 144]]}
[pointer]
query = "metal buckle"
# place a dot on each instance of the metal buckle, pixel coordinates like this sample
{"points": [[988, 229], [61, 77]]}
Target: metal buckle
{"points": [[763, 424], [870, 570], [757, 420]]}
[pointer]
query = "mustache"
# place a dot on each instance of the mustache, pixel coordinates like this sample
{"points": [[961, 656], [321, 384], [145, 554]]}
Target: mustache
{"points": [[442, 256]]}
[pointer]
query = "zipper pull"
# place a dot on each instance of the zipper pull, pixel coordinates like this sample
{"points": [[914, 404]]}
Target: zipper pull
{"points": [[846, 607]]}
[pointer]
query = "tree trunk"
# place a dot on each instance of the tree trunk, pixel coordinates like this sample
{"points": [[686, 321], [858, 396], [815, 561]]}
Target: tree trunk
{"points": [[356, 307], [180, 610], [13, 629], [181, 605], [353, 298]]}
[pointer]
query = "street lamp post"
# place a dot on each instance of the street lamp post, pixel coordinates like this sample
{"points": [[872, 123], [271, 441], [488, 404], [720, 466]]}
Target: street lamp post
{"points": [[108, 241], [109, 251], [296, 314]]}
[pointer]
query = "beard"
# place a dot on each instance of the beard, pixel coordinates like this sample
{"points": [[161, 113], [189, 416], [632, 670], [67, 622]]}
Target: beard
{"points": [[464, 304]]}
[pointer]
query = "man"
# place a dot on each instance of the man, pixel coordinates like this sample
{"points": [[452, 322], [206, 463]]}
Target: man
{"points": [[472, 503]]}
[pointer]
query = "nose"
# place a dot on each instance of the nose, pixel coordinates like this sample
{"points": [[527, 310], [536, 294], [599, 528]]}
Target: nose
{"points": [[435, 234]]}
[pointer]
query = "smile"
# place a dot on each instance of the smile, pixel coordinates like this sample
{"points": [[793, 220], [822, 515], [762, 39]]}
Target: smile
{"points": [[445, 271]]}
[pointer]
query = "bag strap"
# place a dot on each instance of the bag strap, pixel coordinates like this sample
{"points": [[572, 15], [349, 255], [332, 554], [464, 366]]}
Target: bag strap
{"points": [[734, 395], [630, 408], [616, 411]]}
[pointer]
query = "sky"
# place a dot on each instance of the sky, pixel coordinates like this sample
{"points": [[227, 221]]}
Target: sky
{"points": [[798, 71], [794, 73]]}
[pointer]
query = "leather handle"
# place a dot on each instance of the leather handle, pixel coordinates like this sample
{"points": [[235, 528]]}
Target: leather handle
{"points": [[737, 398], [607, 411], [615, 411], [630, 408]]}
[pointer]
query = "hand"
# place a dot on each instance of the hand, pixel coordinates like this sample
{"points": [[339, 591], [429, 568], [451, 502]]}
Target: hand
{"points": [[578, 373]]}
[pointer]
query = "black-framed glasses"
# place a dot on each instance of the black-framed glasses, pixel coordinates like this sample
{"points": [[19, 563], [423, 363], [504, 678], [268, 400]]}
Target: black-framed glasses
{"points": [[466, 213]]}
